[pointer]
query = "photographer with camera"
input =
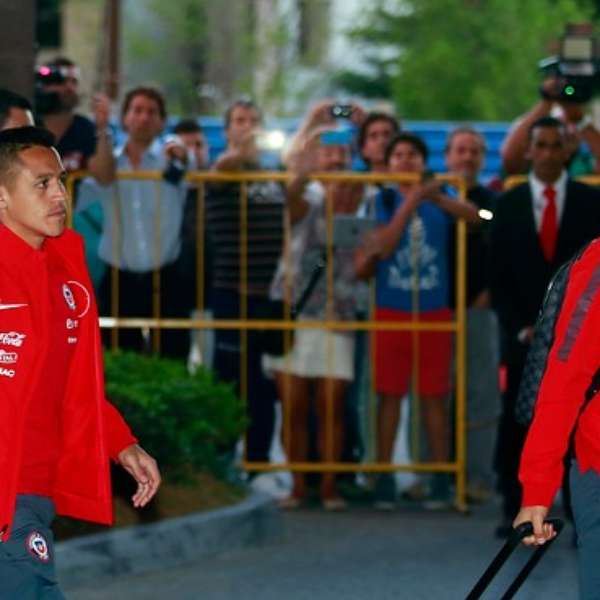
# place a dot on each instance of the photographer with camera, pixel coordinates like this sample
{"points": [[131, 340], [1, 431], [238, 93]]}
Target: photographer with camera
{"points": [[570, 81], [578, 126], [323, 116], [319, 366], [81, 143]]}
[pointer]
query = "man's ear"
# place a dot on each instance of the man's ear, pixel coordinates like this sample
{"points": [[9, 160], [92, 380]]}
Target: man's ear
{"points": [[4, 194]]}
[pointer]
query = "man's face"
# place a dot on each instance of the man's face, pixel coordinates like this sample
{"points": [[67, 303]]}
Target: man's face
{"points": [[242, 121], [194, 141], [333, 157], [33, 200], [405, 158], [143, 121], [547, 152], [465, 156], [18, 117], [377, 137], [68, 90]]}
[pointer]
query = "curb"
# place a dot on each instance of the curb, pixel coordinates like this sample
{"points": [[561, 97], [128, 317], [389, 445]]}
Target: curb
{"points": [[169, 543]]}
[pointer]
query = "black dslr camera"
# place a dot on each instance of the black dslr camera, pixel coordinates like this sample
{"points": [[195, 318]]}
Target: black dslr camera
{"points": [[576, 67], [46, 102]]}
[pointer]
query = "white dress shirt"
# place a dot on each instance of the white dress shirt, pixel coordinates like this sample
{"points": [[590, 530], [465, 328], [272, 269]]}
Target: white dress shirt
{"points": [[539, 200], [142, 218]]}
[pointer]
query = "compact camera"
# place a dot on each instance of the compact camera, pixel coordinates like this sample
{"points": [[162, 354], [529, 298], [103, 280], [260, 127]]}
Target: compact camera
{"points": [[46, 102], [341, 111]]}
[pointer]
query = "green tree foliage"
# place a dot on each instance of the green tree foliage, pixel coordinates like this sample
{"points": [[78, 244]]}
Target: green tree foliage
{"points": [[165, 43], [458, 59]]}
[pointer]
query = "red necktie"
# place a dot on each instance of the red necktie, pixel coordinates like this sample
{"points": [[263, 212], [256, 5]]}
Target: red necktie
{"points": [[549, 228]]}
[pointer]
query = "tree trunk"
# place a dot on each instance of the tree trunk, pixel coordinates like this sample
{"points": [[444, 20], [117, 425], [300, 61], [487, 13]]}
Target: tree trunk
{"points": [[17, 46]]}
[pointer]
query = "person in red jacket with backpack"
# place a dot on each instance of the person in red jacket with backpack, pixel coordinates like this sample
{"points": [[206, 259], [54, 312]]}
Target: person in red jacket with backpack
{"points": [[57, 430], [568, 407]]}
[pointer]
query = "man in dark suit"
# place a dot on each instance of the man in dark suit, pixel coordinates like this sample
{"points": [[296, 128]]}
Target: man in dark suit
{"points": [[537, 226]]}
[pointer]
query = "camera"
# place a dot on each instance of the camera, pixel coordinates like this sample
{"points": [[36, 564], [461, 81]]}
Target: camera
{"points": [[341, 111], [46, 102], [576, 66]]}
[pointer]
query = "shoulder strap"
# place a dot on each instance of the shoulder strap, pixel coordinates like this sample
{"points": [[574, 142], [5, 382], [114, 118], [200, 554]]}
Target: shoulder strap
{"points": [[543, 338], [308, 290]]}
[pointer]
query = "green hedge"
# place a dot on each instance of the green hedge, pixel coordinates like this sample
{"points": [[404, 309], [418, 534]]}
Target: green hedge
{"points": [[187, 422]]}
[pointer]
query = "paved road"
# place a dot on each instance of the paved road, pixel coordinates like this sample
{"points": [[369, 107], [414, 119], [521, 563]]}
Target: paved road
{"points": [[360, 554]]}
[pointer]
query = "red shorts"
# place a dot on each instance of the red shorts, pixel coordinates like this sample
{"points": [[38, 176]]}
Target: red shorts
{"points": [[394, 358]]}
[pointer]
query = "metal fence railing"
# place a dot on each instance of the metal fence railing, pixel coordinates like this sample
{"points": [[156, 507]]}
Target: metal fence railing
{"points": [[155, 323]]}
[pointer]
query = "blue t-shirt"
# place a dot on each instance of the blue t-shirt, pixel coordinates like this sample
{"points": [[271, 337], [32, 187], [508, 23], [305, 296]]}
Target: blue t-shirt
{"points": [[422, 250]]}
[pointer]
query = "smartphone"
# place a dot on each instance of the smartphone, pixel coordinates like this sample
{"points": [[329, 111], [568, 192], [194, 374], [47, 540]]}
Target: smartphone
{"points": [[349, 230], [341, 111]]}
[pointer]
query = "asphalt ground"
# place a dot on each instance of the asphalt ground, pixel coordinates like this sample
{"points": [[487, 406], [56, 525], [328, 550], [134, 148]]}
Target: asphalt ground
{"points": [[358, 554]]}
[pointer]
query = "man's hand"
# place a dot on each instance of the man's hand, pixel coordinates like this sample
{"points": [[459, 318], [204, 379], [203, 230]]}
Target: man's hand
{"points": [[359, 114], [101, 110], [372, 246], [144, 470], [426, 190], [542, 532], [320, 114], [175, 149]]}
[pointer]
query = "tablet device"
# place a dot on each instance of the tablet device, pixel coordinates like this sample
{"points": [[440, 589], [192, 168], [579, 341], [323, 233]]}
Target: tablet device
{"points": [[349, 230]]}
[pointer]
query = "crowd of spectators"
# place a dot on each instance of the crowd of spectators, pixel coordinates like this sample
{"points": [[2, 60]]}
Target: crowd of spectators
{"points": [[144, 235]]}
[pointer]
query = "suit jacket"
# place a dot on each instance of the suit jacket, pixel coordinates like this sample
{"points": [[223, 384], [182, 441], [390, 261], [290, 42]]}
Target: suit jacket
{"points": [[518, 269]]}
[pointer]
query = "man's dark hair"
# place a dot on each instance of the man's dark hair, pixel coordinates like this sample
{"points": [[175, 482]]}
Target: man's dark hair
{"points": [[371, 118], [407, 138], [61, 61], [10, 100], [14, 141], [240, 102], [187, 126], [464, 129], [546, 122], [147, 92]]}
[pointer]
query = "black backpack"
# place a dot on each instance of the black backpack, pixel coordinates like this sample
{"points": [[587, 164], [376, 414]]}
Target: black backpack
{"points": [[543, 338]]}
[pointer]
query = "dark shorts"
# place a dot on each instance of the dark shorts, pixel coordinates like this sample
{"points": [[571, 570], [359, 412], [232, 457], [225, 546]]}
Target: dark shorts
{"points": [[27, 570]]}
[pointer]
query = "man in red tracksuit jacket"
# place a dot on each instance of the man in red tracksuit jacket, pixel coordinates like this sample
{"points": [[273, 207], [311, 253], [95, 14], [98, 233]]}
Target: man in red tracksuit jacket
{"points": [[573, 361], [57, 431]]}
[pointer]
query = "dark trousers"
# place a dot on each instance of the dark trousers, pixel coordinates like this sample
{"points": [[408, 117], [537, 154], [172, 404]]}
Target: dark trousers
{"points": [[262, 392], [27, 570], [511, 437], [135, 300], [585, 491]]}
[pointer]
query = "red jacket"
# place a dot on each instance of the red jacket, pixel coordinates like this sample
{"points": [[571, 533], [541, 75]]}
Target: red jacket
{"points": [[572, 362], [92, 429]]}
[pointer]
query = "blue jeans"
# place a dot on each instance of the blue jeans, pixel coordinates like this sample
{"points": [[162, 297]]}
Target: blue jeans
{"points": [[27, 570], [585, 498]]}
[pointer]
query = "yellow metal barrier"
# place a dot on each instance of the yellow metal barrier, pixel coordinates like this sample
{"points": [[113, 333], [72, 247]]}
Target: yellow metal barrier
{"points": [[514, 180], [458, 325]]}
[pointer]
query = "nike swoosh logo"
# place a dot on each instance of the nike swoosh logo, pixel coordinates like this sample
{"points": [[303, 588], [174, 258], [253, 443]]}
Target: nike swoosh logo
{"points": [[7, 306]]}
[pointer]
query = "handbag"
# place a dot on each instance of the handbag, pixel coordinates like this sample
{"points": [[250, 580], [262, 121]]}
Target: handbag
{"points": [[277, 341]]}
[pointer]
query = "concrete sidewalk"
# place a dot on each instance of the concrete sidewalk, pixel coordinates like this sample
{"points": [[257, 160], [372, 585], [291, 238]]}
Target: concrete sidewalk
{"points": [[170, 543], [359, 554]]}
